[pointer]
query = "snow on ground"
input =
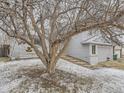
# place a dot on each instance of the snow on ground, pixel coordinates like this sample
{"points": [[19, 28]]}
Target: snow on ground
{"points": [[104, 80], [9, 70], [107, 80]]}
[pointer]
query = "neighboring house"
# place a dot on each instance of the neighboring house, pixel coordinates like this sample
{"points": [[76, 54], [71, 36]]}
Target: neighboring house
{"points": [[12, 48], [122, 51], [90, 48], [122, 47], [118, 51], [20, 50]]}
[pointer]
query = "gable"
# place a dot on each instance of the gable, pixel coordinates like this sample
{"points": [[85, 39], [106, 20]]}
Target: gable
{"points": [[97, 39]]}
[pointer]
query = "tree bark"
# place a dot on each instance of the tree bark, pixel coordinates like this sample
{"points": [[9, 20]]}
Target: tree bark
{"points": [[51, 67], [53, 61]]}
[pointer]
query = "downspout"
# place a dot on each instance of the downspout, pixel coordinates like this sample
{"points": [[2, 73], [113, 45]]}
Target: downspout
{"points": [[121, 52], [113, 50]]}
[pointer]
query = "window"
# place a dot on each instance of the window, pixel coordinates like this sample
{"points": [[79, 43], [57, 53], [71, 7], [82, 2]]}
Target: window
{"points": [[93, 49]]}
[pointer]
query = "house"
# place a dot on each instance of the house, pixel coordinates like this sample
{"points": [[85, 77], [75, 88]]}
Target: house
{"points": [[118, 51], [20, 50], [90, 48], [122, 48], [10, 47]]}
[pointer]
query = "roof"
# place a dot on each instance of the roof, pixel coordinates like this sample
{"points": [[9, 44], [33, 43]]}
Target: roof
{"points": [[97, 40]]}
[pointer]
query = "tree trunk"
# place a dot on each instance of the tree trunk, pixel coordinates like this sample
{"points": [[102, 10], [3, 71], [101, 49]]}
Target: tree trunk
{"points": [[52, 64], [51, 67], [53, 60]]}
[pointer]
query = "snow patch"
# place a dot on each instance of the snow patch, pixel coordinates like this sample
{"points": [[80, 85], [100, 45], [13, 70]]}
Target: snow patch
{"points": [[104, 80]]}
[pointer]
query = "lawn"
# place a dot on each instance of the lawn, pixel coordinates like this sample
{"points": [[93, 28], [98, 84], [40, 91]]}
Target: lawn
{"points": [[118, 64], [4, 59]]}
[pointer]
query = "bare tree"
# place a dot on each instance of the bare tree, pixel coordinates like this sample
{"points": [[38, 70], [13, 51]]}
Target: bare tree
{"points": [[54, 22]]}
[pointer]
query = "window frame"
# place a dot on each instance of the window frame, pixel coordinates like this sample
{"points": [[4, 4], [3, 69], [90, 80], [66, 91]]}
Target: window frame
{"points": [[93, 47]]}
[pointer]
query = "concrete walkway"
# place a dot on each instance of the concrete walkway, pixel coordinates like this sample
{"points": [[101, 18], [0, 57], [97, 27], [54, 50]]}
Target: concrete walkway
{"points": [[75, 60]]}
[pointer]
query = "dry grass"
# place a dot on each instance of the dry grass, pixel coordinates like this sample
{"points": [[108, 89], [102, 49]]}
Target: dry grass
{"points": [[118, 64], [4, 59]]}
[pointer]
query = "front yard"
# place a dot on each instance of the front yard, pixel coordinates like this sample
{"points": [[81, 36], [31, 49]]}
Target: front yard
{"points": [[28, 76], [4, 59], [117, 64]]}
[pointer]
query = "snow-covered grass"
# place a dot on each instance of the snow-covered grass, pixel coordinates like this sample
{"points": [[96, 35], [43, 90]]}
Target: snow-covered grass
{"points": [[28, 76]]}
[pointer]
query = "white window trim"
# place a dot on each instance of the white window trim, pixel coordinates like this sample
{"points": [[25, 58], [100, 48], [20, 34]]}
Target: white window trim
{"points": [[91, 50]]}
